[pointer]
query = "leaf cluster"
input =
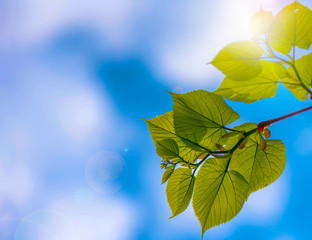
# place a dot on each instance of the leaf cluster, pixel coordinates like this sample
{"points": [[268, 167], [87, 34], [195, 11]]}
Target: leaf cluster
{"points": [[212, 164], [217, 166], [254, 68]]}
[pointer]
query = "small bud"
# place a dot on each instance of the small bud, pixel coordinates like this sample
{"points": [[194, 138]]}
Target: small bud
{"points": [[262, 143], [221, 148], [267, 133], [202, 156], [292, 86], [243, 144]]}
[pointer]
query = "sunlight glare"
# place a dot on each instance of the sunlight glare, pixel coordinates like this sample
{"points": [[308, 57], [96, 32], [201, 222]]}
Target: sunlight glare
{"points": [[234, 20]]}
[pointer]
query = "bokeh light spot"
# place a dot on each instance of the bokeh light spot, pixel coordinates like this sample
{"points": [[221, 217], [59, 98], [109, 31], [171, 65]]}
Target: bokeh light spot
{"points": [[106, 172]]}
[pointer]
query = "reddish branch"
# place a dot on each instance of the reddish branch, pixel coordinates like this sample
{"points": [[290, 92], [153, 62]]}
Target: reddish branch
{"points": [[266, 124]]}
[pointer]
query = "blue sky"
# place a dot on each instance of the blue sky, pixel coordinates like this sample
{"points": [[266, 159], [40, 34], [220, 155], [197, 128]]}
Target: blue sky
{"points": [[77, 160]]}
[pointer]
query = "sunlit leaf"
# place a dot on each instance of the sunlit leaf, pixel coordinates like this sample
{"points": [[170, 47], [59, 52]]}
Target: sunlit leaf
{"points": [[304, 67], [262, 86], [219, 193], [161, 128], [168, 149], [246, 127], [229, 140], [166, 175], [292, 26], [239, 60], [260, 22], [200, 116], [292, 84], [180, 189], [259, 168]]}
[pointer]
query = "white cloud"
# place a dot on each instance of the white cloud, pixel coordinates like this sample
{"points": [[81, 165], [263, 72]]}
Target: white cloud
{"points": [[36, 20], [70, 220], [79, 114], [266, 206], [17, 183], [181, 56], [184, 56]]}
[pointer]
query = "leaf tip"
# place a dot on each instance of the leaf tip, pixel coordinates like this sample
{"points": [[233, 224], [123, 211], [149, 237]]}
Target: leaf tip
{"points": [[174, 215], [202, 233]]}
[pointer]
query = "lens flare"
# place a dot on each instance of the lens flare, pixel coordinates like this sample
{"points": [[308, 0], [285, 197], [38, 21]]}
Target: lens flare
{"points": [[105, 172]]}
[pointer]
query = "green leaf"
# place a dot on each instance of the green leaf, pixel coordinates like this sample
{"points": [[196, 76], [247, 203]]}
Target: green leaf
{"points": [[294, 87], [200, 116], [259, 168], [292, 26], [180, 189], [230, 139], [168, 172], [240, 60], [260, 22], [304, 68], [168, 149], [161, 128], [246, 127], [262, 86], [219, 193]]}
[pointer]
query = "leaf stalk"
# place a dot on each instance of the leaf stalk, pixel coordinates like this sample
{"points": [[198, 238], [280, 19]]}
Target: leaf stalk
{"points": [[266, 124]]}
